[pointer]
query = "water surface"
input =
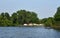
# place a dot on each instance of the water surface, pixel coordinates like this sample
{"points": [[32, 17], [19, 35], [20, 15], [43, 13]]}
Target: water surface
{"points": [[28, 32]]}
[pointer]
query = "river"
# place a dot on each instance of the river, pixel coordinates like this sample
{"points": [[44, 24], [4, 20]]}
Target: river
{"points": [[28, 32]]}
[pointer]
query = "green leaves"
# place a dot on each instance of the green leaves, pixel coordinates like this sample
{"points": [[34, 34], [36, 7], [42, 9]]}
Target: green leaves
{"points": [[18, 18], [57, 15]]}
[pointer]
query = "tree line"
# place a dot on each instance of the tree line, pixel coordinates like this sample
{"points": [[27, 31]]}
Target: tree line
{"points": [[21, 17], [54, 21], [18, 18]]}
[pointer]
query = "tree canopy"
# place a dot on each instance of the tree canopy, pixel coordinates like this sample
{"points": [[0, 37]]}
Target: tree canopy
{"points": [[18, 18], [57, 14]]}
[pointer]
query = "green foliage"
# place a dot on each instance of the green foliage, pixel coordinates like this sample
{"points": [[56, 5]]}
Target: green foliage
{"points": [[44, 20], [22, 16], [7, 16], [18, 18], [27, 17], [49, 22], [53, 22], [57, 15]]}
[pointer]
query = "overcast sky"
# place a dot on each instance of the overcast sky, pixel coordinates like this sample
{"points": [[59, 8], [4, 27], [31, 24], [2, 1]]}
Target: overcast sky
{"points": [[44, 8]]}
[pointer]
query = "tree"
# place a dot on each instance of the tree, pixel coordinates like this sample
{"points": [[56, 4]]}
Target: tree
{"points": [[18, 18], [27, 17], [21, 16], [34, 18], [57, 15], [49, 22], [44, 20], [2, 15], [0, 20], [14, 18], [7, 15], [5, 19]]}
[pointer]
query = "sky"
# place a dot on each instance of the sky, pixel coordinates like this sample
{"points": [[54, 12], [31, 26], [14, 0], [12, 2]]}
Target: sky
{"points": [[43, 8]]}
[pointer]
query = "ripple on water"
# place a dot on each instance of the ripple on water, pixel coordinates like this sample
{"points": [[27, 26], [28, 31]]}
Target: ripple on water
{"points": [[28, 32]]}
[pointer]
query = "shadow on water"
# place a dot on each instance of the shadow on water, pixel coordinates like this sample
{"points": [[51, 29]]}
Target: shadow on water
{"points": [[55, 28]]}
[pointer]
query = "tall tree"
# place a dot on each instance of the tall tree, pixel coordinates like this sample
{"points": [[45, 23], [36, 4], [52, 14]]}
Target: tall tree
{"points": [[57, 14], [14, 18], [57, 17], [7, 15], [2, 15]]}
